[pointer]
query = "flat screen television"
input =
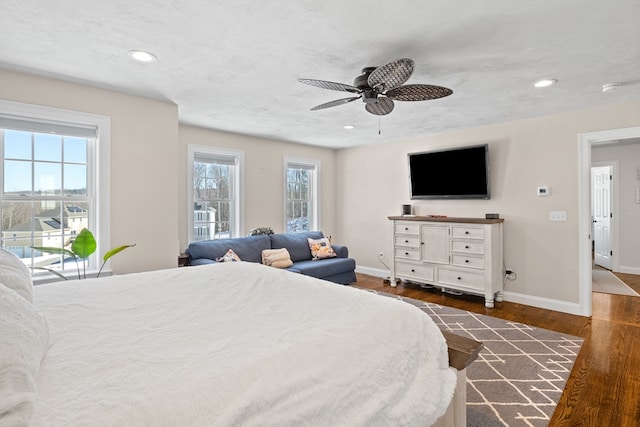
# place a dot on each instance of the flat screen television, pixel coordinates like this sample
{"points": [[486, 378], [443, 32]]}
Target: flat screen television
{"points": [[454, 173]]}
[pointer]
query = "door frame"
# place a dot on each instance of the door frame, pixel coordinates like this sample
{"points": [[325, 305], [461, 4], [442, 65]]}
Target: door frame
{"points": [[585, 141]]}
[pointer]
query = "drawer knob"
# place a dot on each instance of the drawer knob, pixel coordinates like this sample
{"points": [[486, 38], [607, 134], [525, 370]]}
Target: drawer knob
{"points": [[466, 247], [406, 229], [406, 241], [412, 270], [406, 253], [466, 260], [466, 232], [459, 278]]}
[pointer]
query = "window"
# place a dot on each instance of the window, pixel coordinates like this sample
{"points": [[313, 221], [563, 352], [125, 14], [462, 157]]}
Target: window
{"points": [[215, 193], [301, 191], [48, 190]]}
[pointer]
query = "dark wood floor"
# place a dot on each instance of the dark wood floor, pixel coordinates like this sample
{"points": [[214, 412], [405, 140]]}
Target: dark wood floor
{"points": [[604, 386]]}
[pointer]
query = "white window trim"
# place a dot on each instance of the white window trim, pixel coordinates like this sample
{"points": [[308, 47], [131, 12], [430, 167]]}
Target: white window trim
{"points": [[101, 160], [192, 149], [315, 207]]}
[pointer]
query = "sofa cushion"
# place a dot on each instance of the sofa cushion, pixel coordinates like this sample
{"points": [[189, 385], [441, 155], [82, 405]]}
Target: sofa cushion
{"points": [[296, 243], [247, 248], [324, 268]]}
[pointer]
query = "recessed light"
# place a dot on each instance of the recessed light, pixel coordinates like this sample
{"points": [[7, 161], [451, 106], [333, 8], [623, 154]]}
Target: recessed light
{"points": [[349, 127], [142, 56], [545, 82]]}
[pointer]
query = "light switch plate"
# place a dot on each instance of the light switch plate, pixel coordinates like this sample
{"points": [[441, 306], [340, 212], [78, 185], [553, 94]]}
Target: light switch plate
{"points": [[557, 215]]}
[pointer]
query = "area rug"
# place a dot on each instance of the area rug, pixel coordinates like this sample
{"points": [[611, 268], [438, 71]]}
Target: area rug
{"points": [[520, 373], [606, 282]]}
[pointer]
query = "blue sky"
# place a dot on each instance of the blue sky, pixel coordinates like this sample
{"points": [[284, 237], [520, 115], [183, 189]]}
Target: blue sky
{"points": [[47, 155]]}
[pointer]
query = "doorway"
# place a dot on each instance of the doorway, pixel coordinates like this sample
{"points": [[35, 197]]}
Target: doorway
{"points": [[585, 141]]}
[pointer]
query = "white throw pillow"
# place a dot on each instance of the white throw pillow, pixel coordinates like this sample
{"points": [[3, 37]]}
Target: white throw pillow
{"points": [[278, 258], [24, 340], [15, 275]]}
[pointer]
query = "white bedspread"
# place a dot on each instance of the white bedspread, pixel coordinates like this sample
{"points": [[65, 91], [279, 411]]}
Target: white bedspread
{"points": [[236, 344]]}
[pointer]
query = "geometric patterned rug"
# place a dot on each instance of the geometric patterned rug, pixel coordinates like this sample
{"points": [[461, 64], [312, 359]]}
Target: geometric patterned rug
{"points": [[520, 373]]}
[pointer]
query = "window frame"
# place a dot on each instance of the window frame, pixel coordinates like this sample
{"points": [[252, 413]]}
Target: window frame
{"points": [[314, 166], [98, 167], [238, 156]]}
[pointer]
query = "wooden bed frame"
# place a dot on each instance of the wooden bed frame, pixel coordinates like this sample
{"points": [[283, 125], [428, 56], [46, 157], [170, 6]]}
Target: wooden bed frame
{"points": [[462, 351]]}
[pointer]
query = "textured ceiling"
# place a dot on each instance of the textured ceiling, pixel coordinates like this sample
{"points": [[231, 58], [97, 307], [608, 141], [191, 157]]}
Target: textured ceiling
{"points": [[234, 65]]}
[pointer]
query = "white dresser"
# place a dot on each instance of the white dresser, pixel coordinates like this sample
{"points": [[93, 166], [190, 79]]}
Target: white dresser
{"points": [[462, 254]]}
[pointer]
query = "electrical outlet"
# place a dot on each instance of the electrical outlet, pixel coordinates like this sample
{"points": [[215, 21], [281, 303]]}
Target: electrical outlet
{"points": [[381, 255]]}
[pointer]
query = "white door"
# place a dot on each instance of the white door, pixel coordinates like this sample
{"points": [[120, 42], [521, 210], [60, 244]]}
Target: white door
{"points": [[601, 208]]}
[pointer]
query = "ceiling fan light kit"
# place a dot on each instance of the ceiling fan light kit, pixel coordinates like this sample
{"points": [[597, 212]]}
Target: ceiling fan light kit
{"points": [[378, 87]]}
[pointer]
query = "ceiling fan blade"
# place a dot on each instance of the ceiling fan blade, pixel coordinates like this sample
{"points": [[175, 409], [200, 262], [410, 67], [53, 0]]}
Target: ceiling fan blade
{"points": [[330, 85], [391, 75], [383, 107], [335, 103], [418, 92]]}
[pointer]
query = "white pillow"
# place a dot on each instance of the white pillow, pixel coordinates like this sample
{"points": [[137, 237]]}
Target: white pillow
{"points": [[15, 275], [278, 258], [24, 340]]}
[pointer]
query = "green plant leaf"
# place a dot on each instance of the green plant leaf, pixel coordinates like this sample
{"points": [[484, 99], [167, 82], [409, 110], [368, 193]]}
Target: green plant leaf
{"points": [[111, 253], [114, 251], [54, 250], [84, 244]]}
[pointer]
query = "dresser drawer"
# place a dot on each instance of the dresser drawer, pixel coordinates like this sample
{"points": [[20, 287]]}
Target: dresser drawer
{"points": [[409, 241], [461, 278], [416, 271], [467, 232], [468, 260], [407, 253], [407, 228], [467, 246]]}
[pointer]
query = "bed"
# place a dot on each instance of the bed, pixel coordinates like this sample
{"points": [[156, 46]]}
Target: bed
{"points": [[232, 344]]}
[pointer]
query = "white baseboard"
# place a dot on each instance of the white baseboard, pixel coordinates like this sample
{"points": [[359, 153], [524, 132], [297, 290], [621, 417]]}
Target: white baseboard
{"points": [[628, 270], [534, 301], [375, 272], [546, 303]]}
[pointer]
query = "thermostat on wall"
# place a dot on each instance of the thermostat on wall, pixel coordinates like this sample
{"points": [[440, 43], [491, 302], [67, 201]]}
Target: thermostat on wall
{"points": [[543, 191]]}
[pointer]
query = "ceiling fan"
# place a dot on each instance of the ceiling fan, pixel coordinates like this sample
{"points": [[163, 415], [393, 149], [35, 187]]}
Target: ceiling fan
{"points": [[379, 87]]}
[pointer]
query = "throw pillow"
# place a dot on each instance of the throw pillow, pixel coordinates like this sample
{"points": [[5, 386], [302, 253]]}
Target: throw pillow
{"points": [[230, 256], [24, 341], [15, 275], [321, 248], [278, 258]]}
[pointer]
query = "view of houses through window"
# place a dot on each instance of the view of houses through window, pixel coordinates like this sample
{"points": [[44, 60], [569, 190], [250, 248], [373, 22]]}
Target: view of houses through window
{"points": [[45, 198], [215, 196]]}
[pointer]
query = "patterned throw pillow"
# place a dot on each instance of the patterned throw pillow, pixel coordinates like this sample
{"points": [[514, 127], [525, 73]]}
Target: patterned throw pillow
{"points": [[321, 248], [230, 256]]}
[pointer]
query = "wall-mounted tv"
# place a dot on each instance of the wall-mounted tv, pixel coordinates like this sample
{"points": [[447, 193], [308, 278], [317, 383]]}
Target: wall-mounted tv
{"points": [[454, 173]]}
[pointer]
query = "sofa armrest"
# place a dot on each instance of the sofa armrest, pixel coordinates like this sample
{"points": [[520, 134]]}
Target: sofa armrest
{"points": [[340, 250], [202, 261]]}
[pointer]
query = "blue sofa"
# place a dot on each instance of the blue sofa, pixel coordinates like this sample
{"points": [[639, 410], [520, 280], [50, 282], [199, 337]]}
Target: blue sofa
{"points": [[340, 269]]}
